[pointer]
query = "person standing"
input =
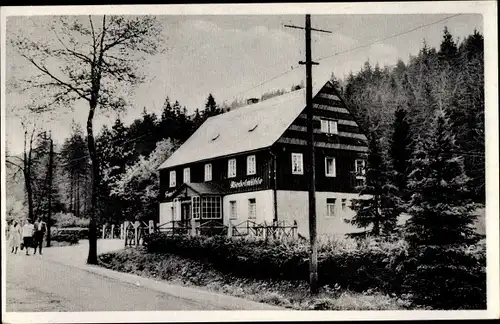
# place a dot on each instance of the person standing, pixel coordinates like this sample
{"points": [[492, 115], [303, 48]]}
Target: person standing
{"points": [[15, 236], [27, 233], [40, 229]]}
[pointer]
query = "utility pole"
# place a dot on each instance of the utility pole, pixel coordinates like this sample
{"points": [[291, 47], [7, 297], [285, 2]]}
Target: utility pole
{"points": [[313, 259], [49, 212]]}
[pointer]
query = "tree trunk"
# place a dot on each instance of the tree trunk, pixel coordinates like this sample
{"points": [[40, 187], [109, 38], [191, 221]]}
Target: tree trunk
{"points": [[77, 207], [71, 194], [92, 256], [29, 192]]}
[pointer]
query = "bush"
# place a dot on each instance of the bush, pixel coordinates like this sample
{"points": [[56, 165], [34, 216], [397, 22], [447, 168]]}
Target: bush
{"points": [[430, 276], [64, 220], [69, 237]]}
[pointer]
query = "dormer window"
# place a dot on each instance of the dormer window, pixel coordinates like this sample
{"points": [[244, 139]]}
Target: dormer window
{"points": [[253, 128], [329, 126]]}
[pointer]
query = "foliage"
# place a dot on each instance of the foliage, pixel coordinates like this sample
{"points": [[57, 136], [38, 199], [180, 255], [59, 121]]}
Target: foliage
{"points": [[63, 220], [138, 186], [71, 238], [440, 208], [380, 208], [450, 78], [401, 148], [283, 293], [387, 267]]}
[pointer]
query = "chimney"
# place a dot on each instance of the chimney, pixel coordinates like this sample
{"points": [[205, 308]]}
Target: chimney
{"points": [[252, 101]]}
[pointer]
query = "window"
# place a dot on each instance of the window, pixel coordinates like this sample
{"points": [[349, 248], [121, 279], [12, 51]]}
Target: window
{"points": [[330, 207], [233, 214], [211, 207], [208, 172], [231, 168], [360, 169], [330, 168], [187, 175], [172, 178], [176, 209], [195, 205], [250, 164], [344, 203], [329, 126], [252, 212], [297, 166]]}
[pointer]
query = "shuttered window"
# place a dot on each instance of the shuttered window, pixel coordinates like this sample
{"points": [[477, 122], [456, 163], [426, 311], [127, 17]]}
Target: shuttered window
{"points": [[329, 126]]}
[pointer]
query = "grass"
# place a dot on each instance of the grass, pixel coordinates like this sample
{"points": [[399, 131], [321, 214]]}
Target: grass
{"points": [[287, 294]]}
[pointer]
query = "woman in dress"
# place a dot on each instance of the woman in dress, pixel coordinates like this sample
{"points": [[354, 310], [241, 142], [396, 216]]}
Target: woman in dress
{"points": [[15, 236]]}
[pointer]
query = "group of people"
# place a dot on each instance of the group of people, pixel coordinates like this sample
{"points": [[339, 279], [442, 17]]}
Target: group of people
{"points": [[32, 235]]}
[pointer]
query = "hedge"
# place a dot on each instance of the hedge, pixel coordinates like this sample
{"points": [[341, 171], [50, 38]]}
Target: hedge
{"points": [[441, 278]]}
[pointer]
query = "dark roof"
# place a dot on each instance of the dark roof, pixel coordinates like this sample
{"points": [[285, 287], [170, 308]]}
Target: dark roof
{"points": [[201, 188]]}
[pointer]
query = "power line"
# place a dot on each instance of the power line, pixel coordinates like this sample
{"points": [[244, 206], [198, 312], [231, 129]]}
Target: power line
{"points": [[389, 37], [351, 49]]}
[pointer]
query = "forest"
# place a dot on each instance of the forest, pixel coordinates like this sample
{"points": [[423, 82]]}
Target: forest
{"points": [[399, 107]]}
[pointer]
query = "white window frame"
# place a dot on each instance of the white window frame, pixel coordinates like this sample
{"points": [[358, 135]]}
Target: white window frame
{"points": [[329, 126], [231, 168], [251, 165], [211, 207], [208, 172], [334, 173], [301, 163], [344, 203], [196, 207], [330, 207], [252, 208], [172, 179], [233, 213], [361, 176], [186, 176]]}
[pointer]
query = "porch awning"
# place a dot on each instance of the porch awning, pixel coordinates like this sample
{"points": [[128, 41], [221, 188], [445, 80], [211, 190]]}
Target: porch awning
{"points": [[196, 189]]}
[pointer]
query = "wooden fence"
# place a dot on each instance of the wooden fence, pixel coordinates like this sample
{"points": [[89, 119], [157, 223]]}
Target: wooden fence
{"points": [[133, 232], [267, 230]]}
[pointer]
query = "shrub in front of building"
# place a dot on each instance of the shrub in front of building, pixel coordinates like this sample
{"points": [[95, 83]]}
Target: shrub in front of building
{"points": [[444, 280]]}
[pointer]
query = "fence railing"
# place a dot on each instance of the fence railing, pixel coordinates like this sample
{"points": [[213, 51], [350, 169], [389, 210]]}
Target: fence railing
{"points": [[266, 230], [134, 232]]}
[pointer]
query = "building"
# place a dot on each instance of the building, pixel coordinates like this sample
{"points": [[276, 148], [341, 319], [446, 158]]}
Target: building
{"points": [[251, 163]]}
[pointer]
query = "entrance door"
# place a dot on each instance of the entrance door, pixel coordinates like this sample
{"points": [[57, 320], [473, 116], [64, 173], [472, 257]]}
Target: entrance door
{"points": [[186, 213]]}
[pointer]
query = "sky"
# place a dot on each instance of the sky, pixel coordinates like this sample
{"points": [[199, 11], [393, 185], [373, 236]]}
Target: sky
{"points": [[228, 56]]}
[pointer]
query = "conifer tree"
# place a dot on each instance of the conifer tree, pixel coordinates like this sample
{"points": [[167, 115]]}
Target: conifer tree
{"points": [[400, 152], [440, 210], [379, 210], [211, 108]]}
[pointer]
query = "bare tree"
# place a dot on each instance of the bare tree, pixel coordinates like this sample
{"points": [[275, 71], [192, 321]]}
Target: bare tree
{"points": [[25, 163], [94, 59]]}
